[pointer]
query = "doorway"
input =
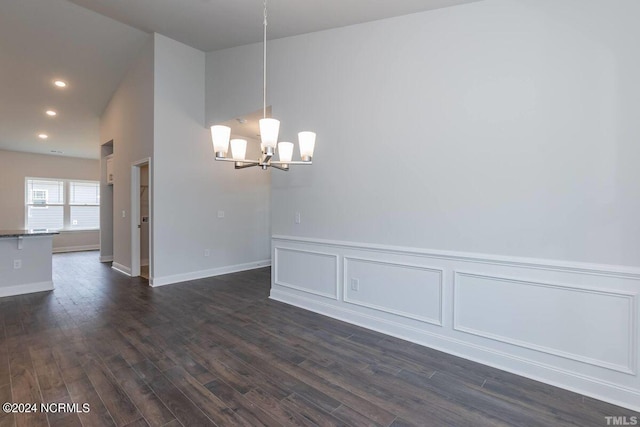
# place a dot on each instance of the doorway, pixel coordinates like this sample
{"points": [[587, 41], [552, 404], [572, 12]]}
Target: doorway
{"points": [[141, 219]]}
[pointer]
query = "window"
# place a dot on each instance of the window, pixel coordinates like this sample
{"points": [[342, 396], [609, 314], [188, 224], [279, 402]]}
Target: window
{"points": [[58, 204]]}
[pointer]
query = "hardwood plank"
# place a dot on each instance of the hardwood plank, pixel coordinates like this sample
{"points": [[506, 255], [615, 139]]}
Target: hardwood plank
{"points": [[115, 399], [209, 403], [310, 412], [151, 407], [7, 420], [24, 384], [284, 415], [240, 404], [354, 418], [82, 391], [182, 408]]}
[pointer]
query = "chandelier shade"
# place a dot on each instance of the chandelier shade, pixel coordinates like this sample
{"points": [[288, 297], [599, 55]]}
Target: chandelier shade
{"points": [[285, 151], [269, 129], [307, 142], [220, 138], [239, 149]]}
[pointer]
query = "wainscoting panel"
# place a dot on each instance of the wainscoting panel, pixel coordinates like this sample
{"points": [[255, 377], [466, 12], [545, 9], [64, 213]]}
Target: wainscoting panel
{"points": [[307, 271], [417, 291], [572, 325], [587, 325]]}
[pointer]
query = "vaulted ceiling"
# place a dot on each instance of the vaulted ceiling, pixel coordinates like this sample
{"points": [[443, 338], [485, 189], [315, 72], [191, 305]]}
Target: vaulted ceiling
{"points": [[91, 43]]}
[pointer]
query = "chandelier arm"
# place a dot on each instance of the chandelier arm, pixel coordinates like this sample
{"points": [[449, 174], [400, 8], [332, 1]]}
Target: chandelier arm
{"points": [[244, 164], [293, 162], [282, 168]]}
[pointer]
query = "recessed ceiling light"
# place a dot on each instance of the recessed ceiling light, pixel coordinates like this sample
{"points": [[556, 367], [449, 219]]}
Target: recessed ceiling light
{"points": [[43, 136], [60, 83], [51, 113]]}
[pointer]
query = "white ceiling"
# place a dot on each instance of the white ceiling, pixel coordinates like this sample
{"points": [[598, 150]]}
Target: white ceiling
{"points": [[41, 40]]}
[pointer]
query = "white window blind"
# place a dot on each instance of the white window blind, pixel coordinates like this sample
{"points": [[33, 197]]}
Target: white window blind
{"points": [[57, 204], [84, 201]]}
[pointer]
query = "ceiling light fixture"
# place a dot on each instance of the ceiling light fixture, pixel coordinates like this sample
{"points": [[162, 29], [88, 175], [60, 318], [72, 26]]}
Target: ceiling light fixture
{"points": [[43, 136], [269, 129], [60, 83], [51, 113]]}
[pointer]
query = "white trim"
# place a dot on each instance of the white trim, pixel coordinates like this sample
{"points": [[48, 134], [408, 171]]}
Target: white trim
{"points": [[437, 321], [195, 275], [144, 262], [582, 384], [26, 289], [543, 264], [61, 249], [630, 368], [106, 258], [121, 268]]}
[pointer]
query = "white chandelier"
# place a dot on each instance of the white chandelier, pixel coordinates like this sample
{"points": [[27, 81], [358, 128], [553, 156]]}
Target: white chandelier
{"points": [[269, 129]]}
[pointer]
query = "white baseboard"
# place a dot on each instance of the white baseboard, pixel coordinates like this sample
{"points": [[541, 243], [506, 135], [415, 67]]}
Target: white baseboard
{"points": [[106, 258], [121, 268], [26, 289], [57, 250], [547, 320], [194, 275]]}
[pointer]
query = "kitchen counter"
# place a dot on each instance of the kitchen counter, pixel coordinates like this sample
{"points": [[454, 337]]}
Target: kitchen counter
{"points": [[25, 261], [24, 233]]}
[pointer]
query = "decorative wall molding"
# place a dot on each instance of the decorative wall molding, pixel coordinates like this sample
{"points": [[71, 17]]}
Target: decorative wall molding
{"points": [[629, 368], [432, 320], [466, 328], [299, 287], [106, 258]]}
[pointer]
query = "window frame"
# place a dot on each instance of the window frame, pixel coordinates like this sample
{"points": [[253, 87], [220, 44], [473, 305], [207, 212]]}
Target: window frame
{"points": [[66, 202]]}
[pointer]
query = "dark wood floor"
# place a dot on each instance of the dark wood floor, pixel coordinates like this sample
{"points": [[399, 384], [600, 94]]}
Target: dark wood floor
{"points": [[218, 352]]}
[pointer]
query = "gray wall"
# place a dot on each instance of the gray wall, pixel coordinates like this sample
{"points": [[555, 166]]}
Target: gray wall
{"points": [[128, 121], [499, 127], [15, 167], [190, 187]]}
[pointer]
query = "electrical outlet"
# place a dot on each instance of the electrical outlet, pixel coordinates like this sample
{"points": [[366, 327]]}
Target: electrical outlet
{"points": [[220, 214], [298, 218], [124, 213], [207, 252], [355, 284], [17, 264]]}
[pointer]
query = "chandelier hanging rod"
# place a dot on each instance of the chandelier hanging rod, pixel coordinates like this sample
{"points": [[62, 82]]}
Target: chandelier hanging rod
{"points": [[269, 129]]}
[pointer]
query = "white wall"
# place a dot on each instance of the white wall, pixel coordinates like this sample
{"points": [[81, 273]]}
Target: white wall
{"points": [[128, 121], [500, 127], [16, 166], [190, 187]]}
